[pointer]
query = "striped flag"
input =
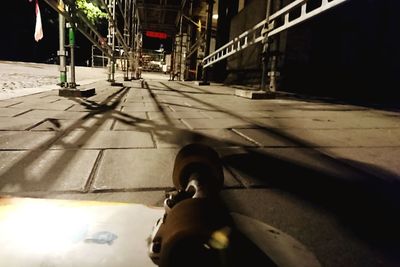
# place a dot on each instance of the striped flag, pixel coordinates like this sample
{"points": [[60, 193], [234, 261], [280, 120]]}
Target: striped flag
{"points": [[38, 27]]}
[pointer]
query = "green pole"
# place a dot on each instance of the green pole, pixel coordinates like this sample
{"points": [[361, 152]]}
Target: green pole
{"points": [[72, 46]]}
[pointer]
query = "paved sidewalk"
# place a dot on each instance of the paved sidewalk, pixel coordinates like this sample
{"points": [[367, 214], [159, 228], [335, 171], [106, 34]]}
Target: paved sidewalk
{"points": [[326, 173]]}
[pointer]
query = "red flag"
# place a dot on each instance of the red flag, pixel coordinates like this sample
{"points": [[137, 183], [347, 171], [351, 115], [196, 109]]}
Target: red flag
{"points": [[38, 27]]}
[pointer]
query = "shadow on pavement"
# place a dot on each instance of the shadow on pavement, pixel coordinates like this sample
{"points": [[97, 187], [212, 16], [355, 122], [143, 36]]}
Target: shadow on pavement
{"points": [[366, 204]]}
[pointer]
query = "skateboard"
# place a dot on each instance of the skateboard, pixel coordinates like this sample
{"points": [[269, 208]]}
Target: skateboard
{"points": [[192, 229]]}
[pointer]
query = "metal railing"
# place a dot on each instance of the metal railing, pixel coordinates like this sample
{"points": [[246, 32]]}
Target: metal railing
{"points": [[269, 27]]}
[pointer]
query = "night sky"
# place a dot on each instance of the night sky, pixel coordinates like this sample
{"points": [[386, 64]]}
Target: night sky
{"points": [[18, 27]]}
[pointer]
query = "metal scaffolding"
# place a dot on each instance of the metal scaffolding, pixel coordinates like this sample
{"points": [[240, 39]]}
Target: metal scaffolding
{"points": [[124, 37]]}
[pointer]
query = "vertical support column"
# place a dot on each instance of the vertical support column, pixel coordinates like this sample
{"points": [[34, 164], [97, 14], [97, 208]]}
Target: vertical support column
{"points": [[208, 41], [265, 52], [180, 48], [71, 34], [71, 89], [227, 9], [133, 40], [62, 52], [172, 68], [126, 38], [92, 56], [189, 43], [274, 53], [111, 42], [270, 54]]}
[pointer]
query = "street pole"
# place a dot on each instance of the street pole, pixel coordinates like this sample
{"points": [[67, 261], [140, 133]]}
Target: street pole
{"points": [[62, 52], [208, 39], [111, 43], [71, 34], [71, 89], [126, 37], [265, 52], [180, 48]]}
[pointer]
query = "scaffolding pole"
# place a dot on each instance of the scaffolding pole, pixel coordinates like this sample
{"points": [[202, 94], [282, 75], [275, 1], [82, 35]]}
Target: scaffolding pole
{"points": [[62, 52]]}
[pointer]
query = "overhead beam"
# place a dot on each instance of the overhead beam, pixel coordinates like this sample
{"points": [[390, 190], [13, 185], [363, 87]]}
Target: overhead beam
{"points": [[172, 8]]}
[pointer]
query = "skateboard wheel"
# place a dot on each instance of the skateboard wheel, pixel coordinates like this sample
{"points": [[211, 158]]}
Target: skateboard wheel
{"points": [[187, 229], [200, 159]]}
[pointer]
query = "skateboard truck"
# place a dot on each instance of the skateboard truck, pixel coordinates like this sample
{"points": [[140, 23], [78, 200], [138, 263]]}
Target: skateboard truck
{"points": [[195, 227]]}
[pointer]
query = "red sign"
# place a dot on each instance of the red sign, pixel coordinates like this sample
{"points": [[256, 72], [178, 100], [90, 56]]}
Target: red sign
{"points": [[159, 35]]}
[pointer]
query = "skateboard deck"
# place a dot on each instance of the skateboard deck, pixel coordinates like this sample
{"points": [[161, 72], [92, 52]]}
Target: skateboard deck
{"points": [[43, 232]]}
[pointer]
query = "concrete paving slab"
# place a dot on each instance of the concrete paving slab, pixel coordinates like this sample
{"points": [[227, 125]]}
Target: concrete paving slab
{"points": [[378, 122], [348, 137], [172, 100], [11, 112], [127, 109], [258, 167], [18, 124], [133, 98], [55, 125], [139, 100], [177, 115], [308, 123], [104, 140], [67, 101], [186, 108], [324, 138], [24, 139], [326, 113], [61, 115], [120, 115], [135, 168], [219, 115], [99, 122], [92, 107], [382, 162], [45, 170], [43, 106], [223, 137], [7, 103], [212, 137], [328, 106], [140, 169], [217, 123], [140, 125], [53, 96], [133, 104], [132, 114], [146, 125], [266, 138], [164, 123]]}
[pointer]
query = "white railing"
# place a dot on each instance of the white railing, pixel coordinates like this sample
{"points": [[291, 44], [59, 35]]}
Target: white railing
{"points": [[267, 28]]}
